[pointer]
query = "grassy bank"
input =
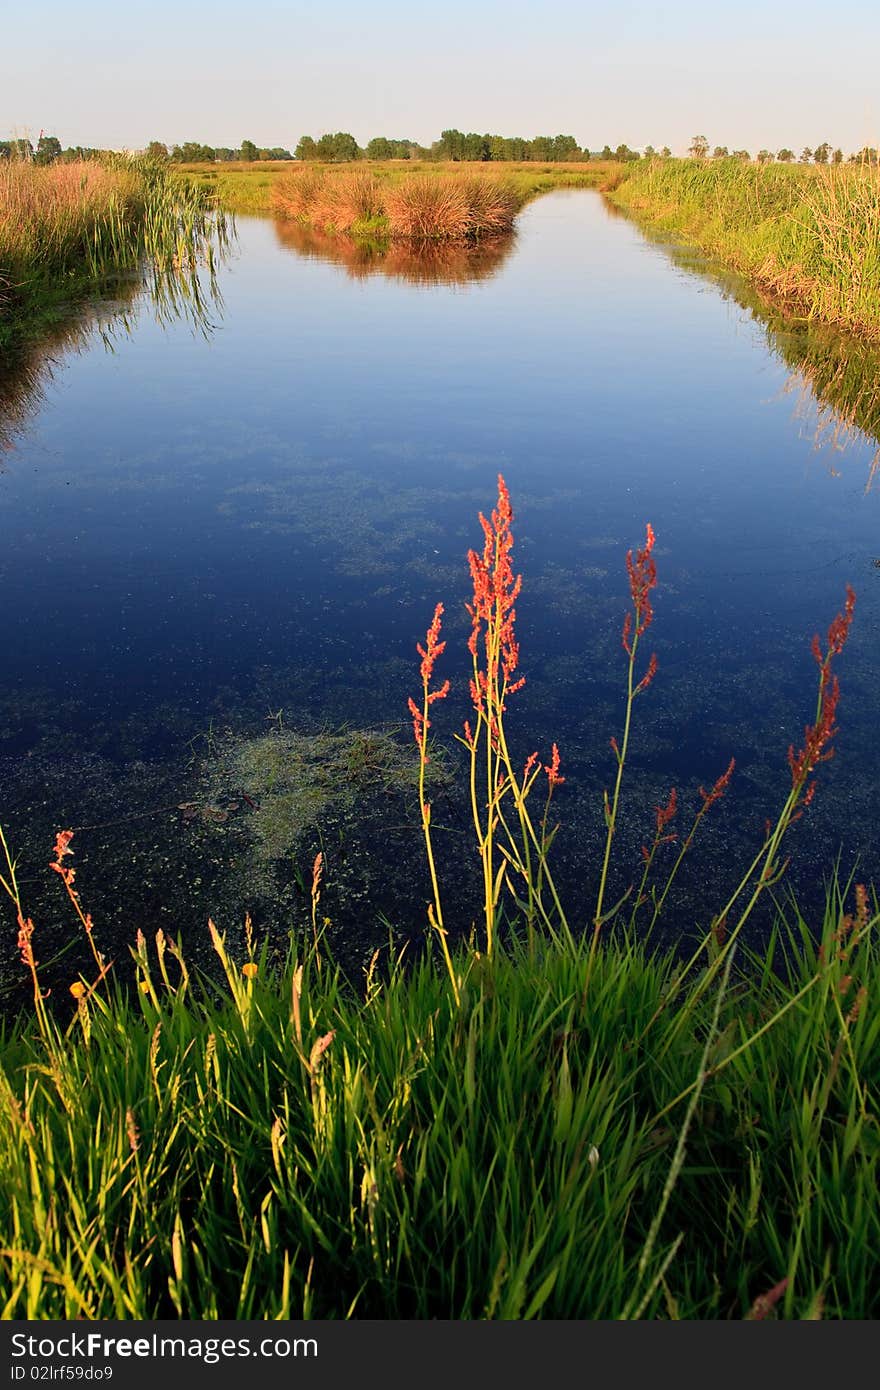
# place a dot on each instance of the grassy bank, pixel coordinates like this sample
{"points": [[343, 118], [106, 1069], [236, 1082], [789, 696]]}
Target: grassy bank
{"points": [[70, 229], [543, 1119], [809, 235], [249, 188], [295, 1146]]}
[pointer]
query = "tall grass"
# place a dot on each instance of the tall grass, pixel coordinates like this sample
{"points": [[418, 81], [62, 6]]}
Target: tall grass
{"points": [[64, 217], [74, 226], [554, 1124], [808, 235]]}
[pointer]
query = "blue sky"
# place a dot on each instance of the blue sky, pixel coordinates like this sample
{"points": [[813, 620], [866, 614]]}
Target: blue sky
{"points": [[744, 75]]}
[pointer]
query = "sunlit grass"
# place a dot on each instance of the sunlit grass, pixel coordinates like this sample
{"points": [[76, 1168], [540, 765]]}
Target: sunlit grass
{"points": [[807, 234]]}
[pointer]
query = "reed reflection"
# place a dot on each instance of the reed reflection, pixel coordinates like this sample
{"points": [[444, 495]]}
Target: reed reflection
{"points": [[834, 376], [415, 262]]}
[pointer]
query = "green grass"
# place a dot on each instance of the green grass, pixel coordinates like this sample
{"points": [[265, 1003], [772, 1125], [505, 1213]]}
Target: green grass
{"points": [[294, 1145], [248, 188], [809, 235]]}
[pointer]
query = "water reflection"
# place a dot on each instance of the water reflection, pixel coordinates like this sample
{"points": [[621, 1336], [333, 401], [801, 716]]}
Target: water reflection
{"points": [[169, 294], [27, 370], [834, 376], [417, 263]]}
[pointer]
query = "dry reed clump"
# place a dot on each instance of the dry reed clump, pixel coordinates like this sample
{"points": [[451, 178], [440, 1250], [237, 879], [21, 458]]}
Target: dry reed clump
{"points": [[421, 207], [492, 206]]}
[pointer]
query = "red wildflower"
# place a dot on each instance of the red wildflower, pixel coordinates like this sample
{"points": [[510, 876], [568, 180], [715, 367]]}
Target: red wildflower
{"points": [[719, 788], [495, 591], [642, 579], [432, 648], [818, 736], [666, 813], [552, 770]]}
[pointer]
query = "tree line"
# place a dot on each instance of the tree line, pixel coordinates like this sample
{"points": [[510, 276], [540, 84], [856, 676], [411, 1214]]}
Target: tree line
{"points": [[822, 154], [342, 148]]}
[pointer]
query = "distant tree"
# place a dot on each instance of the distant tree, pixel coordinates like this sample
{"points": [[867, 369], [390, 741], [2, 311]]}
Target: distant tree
{"points": [[607, 152], [837, 157], [565, 147], [274, 153], [785, 156], [720, 152], [806, 155], [378, 148], [765, 156], [248, 151], [451, 144], [339, 148], [157, 149], [306, 149], [822, 153], [666, 152], [191, 152], [5, 149], [625, 154], [48, 149], [650, 152], [699, 147], [866, 155], [741, 155], [21, 149], [224, 155]]}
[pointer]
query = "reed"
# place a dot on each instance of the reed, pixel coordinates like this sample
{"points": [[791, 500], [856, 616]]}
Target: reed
{"points": [[422, 207], [809, 236], [70, 228]]}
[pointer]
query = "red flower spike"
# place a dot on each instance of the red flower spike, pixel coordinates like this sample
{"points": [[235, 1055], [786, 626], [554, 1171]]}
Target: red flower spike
{"points": [[719, 788], [666, 813], [552, 769]]}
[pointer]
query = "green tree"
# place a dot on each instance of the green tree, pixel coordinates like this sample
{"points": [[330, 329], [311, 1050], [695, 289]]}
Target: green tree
{"points": [[339, 148], [306, 149], [157, 149], [837, 157], [48, 149], [666, 152], [720, 152], [822, 153], [249, 151], [699, 147], [785, 156], [742, 155], [765, 157], [806, 155]]}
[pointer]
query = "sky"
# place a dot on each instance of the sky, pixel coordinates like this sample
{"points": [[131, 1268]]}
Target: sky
{"points": [[755, 74]]}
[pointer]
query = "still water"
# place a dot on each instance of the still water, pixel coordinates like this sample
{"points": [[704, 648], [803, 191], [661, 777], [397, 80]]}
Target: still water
{"points": [[220, 551]]}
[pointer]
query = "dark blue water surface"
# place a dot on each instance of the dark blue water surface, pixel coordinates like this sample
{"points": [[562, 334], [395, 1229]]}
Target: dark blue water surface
{"points": [[210, 539]]}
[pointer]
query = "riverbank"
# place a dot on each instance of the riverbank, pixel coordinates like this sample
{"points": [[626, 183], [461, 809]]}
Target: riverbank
{"points": [[578, 1137], [807, 235], [69, 230]]}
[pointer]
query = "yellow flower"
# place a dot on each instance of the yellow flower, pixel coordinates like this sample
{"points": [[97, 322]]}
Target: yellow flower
{"points": [[77, 989], [144, 986], [249, 970]]}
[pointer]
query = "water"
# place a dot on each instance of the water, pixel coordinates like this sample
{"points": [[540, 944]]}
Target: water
{"points": [[214, 543]]}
